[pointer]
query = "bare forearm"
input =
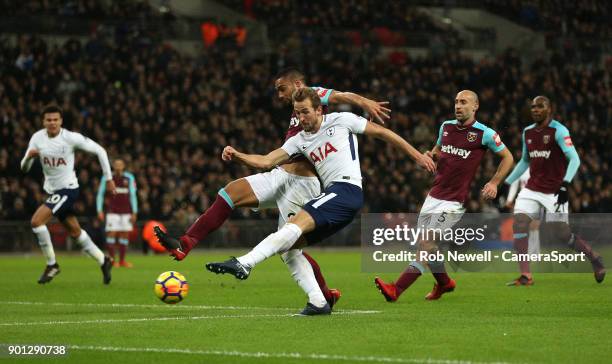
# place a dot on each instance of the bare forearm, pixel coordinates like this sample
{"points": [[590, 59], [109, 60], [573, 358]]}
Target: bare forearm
{"points": [[399, 143], [347, 98], [253, 160], [502, 170]]}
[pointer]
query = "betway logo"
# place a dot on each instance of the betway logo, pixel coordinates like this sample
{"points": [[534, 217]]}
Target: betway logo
{"points": [[539, 154], [456, 151]]}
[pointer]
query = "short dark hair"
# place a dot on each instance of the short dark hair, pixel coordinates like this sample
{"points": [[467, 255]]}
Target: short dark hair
{"points": [[51, 108], [292, 74], [307, 93]]}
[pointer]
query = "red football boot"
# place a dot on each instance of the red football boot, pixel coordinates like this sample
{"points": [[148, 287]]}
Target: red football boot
{"points": [[523, 280], [387, 289], [178, 248], [335, 295], [439, 290]]}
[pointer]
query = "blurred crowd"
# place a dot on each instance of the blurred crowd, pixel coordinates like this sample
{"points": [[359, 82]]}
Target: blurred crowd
{"points": [[91, 9], [587, 18], [391, 23], [169, 116]]}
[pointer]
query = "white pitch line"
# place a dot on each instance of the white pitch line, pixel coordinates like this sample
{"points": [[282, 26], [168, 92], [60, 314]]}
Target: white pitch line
{"points": [[267, 355], [169, 307], [144, 319]]}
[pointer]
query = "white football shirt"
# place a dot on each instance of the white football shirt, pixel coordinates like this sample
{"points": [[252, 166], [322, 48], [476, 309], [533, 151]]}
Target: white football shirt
{"points": [[333, 149], [56, 156]]}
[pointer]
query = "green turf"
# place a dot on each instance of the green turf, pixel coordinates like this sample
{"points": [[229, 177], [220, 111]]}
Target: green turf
{"points": [[563, 318]]}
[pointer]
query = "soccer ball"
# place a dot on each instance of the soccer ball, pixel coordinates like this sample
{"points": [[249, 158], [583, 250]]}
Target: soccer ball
{"points": [[171, 287]]}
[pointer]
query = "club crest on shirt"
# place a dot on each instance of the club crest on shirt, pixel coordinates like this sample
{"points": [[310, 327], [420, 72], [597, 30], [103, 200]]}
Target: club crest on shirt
{"points": [[330, 131], [472, 136], [528, 141], [546, 139]]}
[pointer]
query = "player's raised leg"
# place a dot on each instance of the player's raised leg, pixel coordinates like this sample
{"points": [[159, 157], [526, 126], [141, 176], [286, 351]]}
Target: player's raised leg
{"points": [[39, 220], [236, 194], [280, 241], [82, 238], [562, 232]]}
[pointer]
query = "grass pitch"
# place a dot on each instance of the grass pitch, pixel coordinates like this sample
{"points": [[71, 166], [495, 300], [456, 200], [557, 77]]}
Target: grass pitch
{"points": [[562, 318]]}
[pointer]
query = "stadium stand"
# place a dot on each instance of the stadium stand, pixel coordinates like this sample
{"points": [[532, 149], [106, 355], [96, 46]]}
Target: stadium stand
{"points": [[169, 114]]}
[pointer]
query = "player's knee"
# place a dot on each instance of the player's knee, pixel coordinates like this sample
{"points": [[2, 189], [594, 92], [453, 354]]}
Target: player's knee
{"points": [[230, 195], [35, 222], [521, 223], [560, 230]]}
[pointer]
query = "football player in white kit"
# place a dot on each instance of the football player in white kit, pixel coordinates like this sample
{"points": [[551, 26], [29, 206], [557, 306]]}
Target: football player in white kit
{"points": [[329, 143], [288, 187], [54, 146]]}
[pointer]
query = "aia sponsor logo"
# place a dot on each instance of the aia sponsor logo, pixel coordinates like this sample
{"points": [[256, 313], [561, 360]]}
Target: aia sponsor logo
{"points": [[450, 149], [54, 162], [539, 154], [321, 153]]}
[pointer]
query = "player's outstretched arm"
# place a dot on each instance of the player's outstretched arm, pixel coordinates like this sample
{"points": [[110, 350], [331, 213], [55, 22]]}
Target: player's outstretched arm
{"points": [[489, 190], [397, 141], [28, 159], [100, 198], [83, 143], [378, 110], [256, 160], [521, 166]]}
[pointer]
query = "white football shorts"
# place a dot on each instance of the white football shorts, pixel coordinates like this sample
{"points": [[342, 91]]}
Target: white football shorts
{"points": [[118, 222], [439, 214], [531, 203], [285, 191]]}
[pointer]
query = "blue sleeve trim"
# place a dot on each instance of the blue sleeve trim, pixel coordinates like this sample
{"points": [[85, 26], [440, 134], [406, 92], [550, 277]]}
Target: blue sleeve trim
{"points": [[522, 165], [572, 167], [101, 193], [518, 171], [132, 189], [326, 94], [562, 137], [488, 139], [226, 197], [439, 141]]}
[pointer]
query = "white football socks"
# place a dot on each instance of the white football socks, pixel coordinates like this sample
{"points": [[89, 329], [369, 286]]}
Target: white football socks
{"points": [[534, 242], [44, 241], [279, 242], [89, 247], [303, 275]]}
